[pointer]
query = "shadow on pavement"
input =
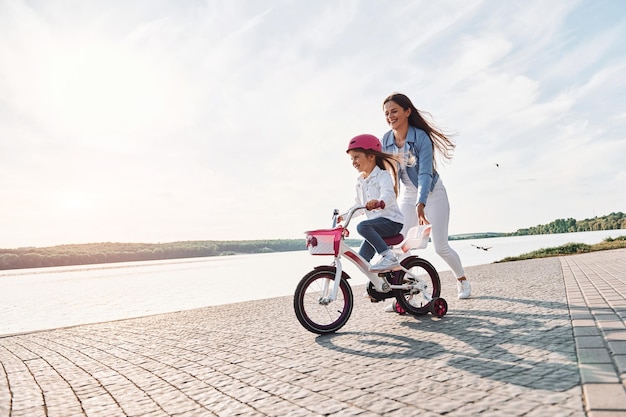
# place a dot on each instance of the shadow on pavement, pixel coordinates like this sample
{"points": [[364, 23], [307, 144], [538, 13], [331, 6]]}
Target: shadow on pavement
{"points": [[531, 346]]}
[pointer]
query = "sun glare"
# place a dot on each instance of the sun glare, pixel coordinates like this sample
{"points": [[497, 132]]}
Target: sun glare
{"points": [[97, 88], [72, 204]]}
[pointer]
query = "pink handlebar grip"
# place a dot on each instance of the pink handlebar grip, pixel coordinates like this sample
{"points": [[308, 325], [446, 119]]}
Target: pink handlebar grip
{"points": [[381, 204]]}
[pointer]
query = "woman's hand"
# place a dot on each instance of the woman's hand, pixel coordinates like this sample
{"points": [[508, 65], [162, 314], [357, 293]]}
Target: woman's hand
{"points": [[421, 217]]}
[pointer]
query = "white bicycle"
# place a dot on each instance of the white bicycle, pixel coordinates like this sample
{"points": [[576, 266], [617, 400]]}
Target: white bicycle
{"points": [[323, 299]]}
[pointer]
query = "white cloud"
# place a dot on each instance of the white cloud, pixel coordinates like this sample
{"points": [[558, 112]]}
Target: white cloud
{"points": [[163, 121]]}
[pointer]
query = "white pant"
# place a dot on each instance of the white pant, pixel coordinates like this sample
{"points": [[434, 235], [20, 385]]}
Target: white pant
{"points": [[437, 212]]}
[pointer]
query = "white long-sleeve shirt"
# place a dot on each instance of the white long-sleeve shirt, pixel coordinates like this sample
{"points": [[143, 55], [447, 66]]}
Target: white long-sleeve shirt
{"points": [[378, 186]]}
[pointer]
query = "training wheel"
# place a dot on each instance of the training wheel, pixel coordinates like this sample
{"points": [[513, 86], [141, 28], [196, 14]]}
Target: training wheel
{"points": [[438, 307], [398, 308]]}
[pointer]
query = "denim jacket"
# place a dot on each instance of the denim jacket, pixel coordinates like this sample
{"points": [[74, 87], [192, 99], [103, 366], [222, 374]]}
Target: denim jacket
{"points": [[421, 170]]}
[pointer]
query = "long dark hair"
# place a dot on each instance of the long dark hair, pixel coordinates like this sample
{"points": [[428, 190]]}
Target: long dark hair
{"points": [[441, 142]]}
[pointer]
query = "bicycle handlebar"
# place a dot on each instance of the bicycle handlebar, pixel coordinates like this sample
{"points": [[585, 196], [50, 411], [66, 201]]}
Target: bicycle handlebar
{"points": [[352, 210]]}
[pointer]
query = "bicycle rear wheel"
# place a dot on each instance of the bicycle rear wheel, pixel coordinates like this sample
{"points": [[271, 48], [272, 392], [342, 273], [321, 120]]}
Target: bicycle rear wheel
{"points": [[417, 302], [312, 308]]}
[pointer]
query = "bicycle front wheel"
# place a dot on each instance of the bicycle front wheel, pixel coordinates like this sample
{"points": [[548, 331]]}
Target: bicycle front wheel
{"points": [[417, 302], [314, 310]]}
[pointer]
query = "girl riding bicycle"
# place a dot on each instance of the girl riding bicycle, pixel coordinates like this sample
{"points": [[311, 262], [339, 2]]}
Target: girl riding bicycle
{"points": [[376, 185]]}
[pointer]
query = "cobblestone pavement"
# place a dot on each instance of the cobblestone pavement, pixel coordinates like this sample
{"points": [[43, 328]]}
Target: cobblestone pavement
{"points": [[543, 337]]}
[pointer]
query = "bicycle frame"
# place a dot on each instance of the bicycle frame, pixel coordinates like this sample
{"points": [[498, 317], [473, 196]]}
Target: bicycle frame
{"points": [[378, 279]]}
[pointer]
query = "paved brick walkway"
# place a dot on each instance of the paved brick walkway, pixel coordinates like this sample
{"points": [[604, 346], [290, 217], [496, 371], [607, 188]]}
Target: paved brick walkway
{"points": [[543, 337], [596, 292]]}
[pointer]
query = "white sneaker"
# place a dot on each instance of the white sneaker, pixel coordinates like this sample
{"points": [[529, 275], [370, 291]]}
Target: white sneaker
{"points": [[367, 296], [395, 307], [464, 289], [386, 263]]}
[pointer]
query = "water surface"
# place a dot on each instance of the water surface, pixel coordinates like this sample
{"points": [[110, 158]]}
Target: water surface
{"points": [[44, 298]]}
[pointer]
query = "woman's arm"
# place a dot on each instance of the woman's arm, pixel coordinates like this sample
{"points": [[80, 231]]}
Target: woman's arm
{"points": [[424, 154]]}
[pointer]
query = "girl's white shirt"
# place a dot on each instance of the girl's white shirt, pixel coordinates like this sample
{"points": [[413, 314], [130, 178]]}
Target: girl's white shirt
{"points": [[378, 186]]}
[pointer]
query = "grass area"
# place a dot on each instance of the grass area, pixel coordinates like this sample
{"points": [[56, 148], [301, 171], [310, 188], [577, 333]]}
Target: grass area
{"points": [[571, 249]]}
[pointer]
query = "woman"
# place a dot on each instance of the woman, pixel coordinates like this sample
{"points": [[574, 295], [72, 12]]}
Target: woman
{"points": [[423, 198]]}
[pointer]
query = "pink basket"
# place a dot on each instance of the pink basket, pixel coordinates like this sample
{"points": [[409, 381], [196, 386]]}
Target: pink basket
{"points": [[324, 241]]}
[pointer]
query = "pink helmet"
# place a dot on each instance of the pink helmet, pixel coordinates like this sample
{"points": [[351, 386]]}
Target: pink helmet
{"points": [[365, 142]]}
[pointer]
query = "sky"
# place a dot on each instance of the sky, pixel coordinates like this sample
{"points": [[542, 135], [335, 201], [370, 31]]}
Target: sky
{"points": [[164, 120]]}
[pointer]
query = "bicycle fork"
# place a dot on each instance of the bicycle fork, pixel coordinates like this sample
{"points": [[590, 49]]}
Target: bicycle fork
{"points": [[328, 297]]}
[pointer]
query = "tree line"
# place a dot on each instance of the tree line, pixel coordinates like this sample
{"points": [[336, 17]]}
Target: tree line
{"points": [[611, 221], [97, 253]]}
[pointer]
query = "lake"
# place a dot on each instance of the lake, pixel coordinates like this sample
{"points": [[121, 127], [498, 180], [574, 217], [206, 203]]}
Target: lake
{"points": [[45, 298]]}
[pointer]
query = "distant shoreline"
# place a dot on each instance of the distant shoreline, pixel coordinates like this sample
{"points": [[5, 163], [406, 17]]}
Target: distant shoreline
{"points": [[111, 253], [570, 249]]}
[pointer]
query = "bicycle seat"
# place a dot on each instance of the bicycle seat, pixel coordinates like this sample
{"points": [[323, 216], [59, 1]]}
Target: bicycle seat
{"points": [[394, 240]]}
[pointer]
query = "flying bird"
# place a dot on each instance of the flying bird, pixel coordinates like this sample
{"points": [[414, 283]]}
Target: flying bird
{"points": [[482, 247]]}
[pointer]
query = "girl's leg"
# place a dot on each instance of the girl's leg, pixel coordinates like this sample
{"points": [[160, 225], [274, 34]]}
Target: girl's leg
{"points": [[373, 231], [366, 250]]}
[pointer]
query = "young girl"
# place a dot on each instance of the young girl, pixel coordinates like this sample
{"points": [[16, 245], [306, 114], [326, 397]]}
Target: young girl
{"points": [[375, 184]]}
